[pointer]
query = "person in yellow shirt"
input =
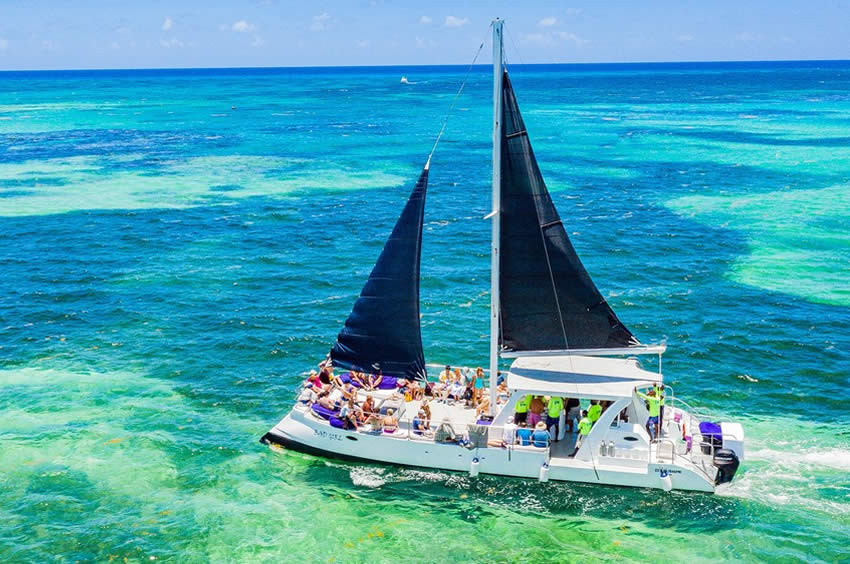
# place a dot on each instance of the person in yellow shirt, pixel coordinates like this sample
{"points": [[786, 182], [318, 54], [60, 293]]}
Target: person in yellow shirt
{"points": [[654, 411], [594, 412], [521, 410], [553, 415], [584, 427]]}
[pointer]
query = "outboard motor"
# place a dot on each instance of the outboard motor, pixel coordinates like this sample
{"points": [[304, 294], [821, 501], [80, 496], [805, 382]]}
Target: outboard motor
{"points": [[726, 462]]}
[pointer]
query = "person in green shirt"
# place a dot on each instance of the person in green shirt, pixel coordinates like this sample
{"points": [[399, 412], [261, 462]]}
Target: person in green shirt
{"points": [[553, 415], [659, 393], [521, 411], [654, 410], [584, 427], [594, 412]]}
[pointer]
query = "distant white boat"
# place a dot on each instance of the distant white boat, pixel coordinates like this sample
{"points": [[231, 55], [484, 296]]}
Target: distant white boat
{"points": [[404, 80], [546, 314]]}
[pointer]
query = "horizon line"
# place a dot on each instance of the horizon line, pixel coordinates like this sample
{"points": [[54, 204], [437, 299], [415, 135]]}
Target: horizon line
{"points": [[420, 65]]}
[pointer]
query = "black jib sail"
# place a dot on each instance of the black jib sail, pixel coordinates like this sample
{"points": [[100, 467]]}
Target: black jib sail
{"points": [[547, 299], [382, 330]]}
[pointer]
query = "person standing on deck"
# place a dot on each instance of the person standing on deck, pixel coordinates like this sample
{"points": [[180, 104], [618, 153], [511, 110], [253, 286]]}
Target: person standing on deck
{"points": [[536, 409], [594, 412], [553, 415], [659, 393], [584, 427], [521, 411], [654, 410]]}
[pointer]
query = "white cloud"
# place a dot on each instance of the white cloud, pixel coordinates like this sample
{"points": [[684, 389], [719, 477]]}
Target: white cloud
{"points": [[548, 21], [552, 37], [452, 21], [567, 36], [320, 22], [171, 43], [167, 24], [425, 20], [685, 37], [243, 26], [535, 38], [4, 44]]}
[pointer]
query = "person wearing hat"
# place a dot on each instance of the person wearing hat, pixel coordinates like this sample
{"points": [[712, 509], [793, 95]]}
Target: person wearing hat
{"points": [[540, 437], [509, 433]]}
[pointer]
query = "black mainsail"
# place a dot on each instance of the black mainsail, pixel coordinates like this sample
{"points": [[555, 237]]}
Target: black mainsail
{"points": [[383, 327], [547, 299]]}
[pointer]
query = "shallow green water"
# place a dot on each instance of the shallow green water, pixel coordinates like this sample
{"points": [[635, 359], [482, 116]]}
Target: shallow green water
{"points": [[171, 265]]}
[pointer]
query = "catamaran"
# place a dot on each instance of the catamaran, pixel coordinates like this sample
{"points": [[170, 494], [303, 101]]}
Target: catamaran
{"points": [[547, 315]]}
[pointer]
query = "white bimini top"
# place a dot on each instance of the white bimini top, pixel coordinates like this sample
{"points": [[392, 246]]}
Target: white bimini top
{"points": [[579, 376]]}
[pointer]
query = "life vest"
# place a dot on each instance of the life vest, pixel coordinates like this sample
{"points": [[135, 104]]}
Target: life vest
{"points": [[522, 404]]}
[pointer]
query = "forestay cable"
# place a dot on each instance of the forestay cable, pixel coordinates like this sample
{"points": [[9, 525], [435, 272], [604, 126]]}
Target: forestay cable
{"points": [[454, 101]]}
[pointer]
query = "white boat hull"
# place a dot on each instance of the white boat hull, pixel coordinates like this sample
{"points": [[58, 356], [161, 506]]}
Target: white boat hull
{"points": [[301, 431]]}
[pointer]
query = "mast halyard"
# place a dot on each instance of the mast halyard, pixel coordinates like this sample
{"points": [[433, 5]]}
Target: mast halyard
{"points": [[495, 213]]}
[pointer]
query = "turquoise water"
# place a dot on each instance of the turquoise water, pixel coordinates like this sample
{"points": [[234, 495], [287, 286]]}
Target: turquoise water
{"points": [[176, 247]]}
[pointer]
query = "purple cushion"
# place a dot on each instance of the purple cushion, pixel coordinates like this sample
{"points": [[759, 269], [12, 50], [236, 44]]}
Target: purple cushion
{"points": [[708, 428], [336, 422], [388, 383], [323, 412]]}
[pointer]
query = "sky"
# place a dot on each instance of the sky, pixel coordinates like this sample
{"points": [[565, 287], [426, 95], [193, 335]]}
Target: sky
{"points": [[87, 34]]}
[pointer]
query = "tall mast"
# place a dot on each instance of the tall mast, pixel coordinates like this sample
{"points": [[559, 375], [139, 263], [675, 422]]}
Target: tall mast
{"points": [[497, 206]]}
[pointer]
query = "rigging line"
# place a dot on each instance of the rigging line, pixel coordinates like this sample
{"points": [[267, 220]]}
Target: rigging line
{"points": [[516, 49], [454, 101]]}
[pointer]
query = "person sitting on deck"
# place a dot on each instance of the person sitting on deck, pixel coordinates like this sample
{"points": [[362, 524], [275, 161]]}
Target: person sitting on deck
{"points": [[358, 378], [523, 434], [367, 409], [336, 397], [349, 422], [308, 395], [419, 427], [313, 379], [502, 393], [456, 388], [483, 408], [445, 433], [325, 376], [438, 389], [425, 408], [390, 422], [540, 437], [594, 412], [325, 401], [509, 433], [374, 380]]}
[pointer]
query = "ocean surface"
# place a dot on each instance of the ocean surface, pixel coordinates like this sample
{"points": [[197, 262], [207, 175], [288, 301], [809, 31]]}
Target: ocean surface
{"points": [[178, 247]]}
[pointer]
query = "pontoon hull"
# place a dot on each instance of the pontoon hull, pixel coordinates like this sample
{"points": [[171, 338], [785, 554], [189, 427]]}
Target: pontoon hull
{"points": [[300, 431]]}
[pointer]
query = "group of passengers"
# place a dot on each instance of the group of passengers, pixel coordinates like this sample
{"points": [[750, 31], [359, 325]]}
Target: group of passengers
{"points": [[537, 420], [339, 394]]}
